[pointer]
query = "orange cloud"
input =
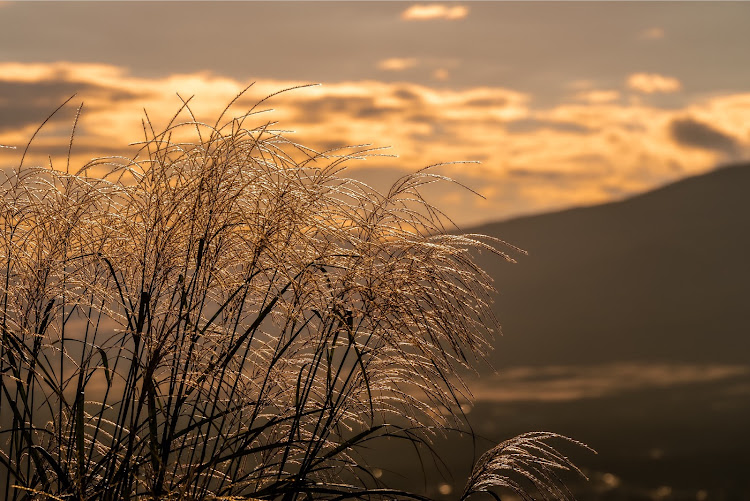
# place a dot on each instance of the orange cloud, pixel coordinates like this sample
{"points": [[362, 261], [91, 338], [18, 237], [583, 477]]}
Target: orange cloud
{"points": [[591, 148], [424, 12], [573, 383], [61, 70], [598, 96], [397, 64], [650, 83]]}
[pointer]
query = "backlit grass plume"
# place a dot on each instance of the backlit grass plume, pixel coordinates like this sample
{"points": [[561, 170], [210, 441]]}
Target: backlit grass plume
{"points": [[226, 315]]}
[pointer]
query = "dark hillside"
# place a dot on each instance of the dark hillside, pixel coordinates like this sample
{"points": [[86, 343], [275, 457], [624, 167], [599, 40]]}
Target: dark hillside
{"points": [[663, 276]]}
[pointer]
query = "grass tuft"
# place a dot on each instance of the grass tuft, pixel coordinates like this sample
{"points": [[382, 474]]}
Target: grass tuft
{"points": [[226, 316]]}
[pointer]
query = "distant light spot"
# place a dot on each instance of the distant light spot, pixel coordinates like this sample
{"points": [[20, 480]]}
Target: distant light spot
{"points": [[377, 472], [662, 492], [445, 489], [701, 495], [610, 481], [656, 453]]}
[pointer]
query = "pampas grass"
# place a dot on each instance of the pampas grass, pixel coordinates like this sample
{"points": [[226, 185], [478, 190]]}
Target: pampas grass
{"points": [[226, 316]]}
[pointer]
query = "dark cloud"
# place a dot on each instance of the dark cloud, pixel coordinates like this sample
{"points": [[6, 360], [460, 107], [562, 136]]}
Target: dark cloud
{"points": [[42, 155], [690, 132], [421, 117], [375, 111], [548, 175], [487, 102], [320, 109], [407, 95], [24, 103], [591, 166], [530, 125]]}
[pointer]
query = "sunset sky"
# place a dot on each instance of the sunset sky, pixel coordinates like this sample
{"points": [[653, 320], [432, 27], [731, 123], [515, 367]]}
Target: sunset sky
{"points": [[563, 103]]}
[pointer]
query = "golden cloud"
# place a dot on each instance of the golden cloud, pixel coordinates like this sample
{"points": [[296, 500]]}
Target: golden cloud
{"points": [[598, 96], [397, 63], [589, 149], [424, 12], [650, 83]]}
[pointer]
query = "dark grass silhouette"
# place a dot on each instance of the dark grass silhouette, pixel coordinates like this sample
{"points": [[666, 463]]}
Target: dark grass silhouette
{"points": [[225, 315]]}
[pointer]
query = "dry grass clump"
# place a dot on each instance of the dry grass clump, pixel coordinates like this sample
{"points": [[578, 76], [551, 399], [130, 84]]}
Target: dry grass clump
{"points": [[226, 316]]}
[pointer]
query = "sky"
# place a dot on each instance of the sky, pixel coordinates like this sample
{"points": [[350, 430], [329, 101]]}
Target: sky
{"points": [[562, 104]]}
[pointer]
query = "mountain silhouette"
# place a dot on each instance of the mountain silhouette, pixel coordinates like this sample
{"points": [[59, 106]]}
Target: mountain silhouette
{"points": [[663, 276]]}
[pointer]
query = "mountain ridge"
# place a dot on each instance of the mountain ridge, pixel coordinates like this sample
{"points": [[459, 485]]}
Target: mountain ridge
{"points": [[660, 276]]}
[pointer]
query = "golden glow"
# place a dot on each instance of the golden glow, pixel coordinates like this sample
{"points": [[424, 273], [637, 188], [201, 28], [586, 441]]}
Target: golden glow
{"points": [[598, 96], [397, 64], [424, 12], [593, 146], [650, 83]]}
